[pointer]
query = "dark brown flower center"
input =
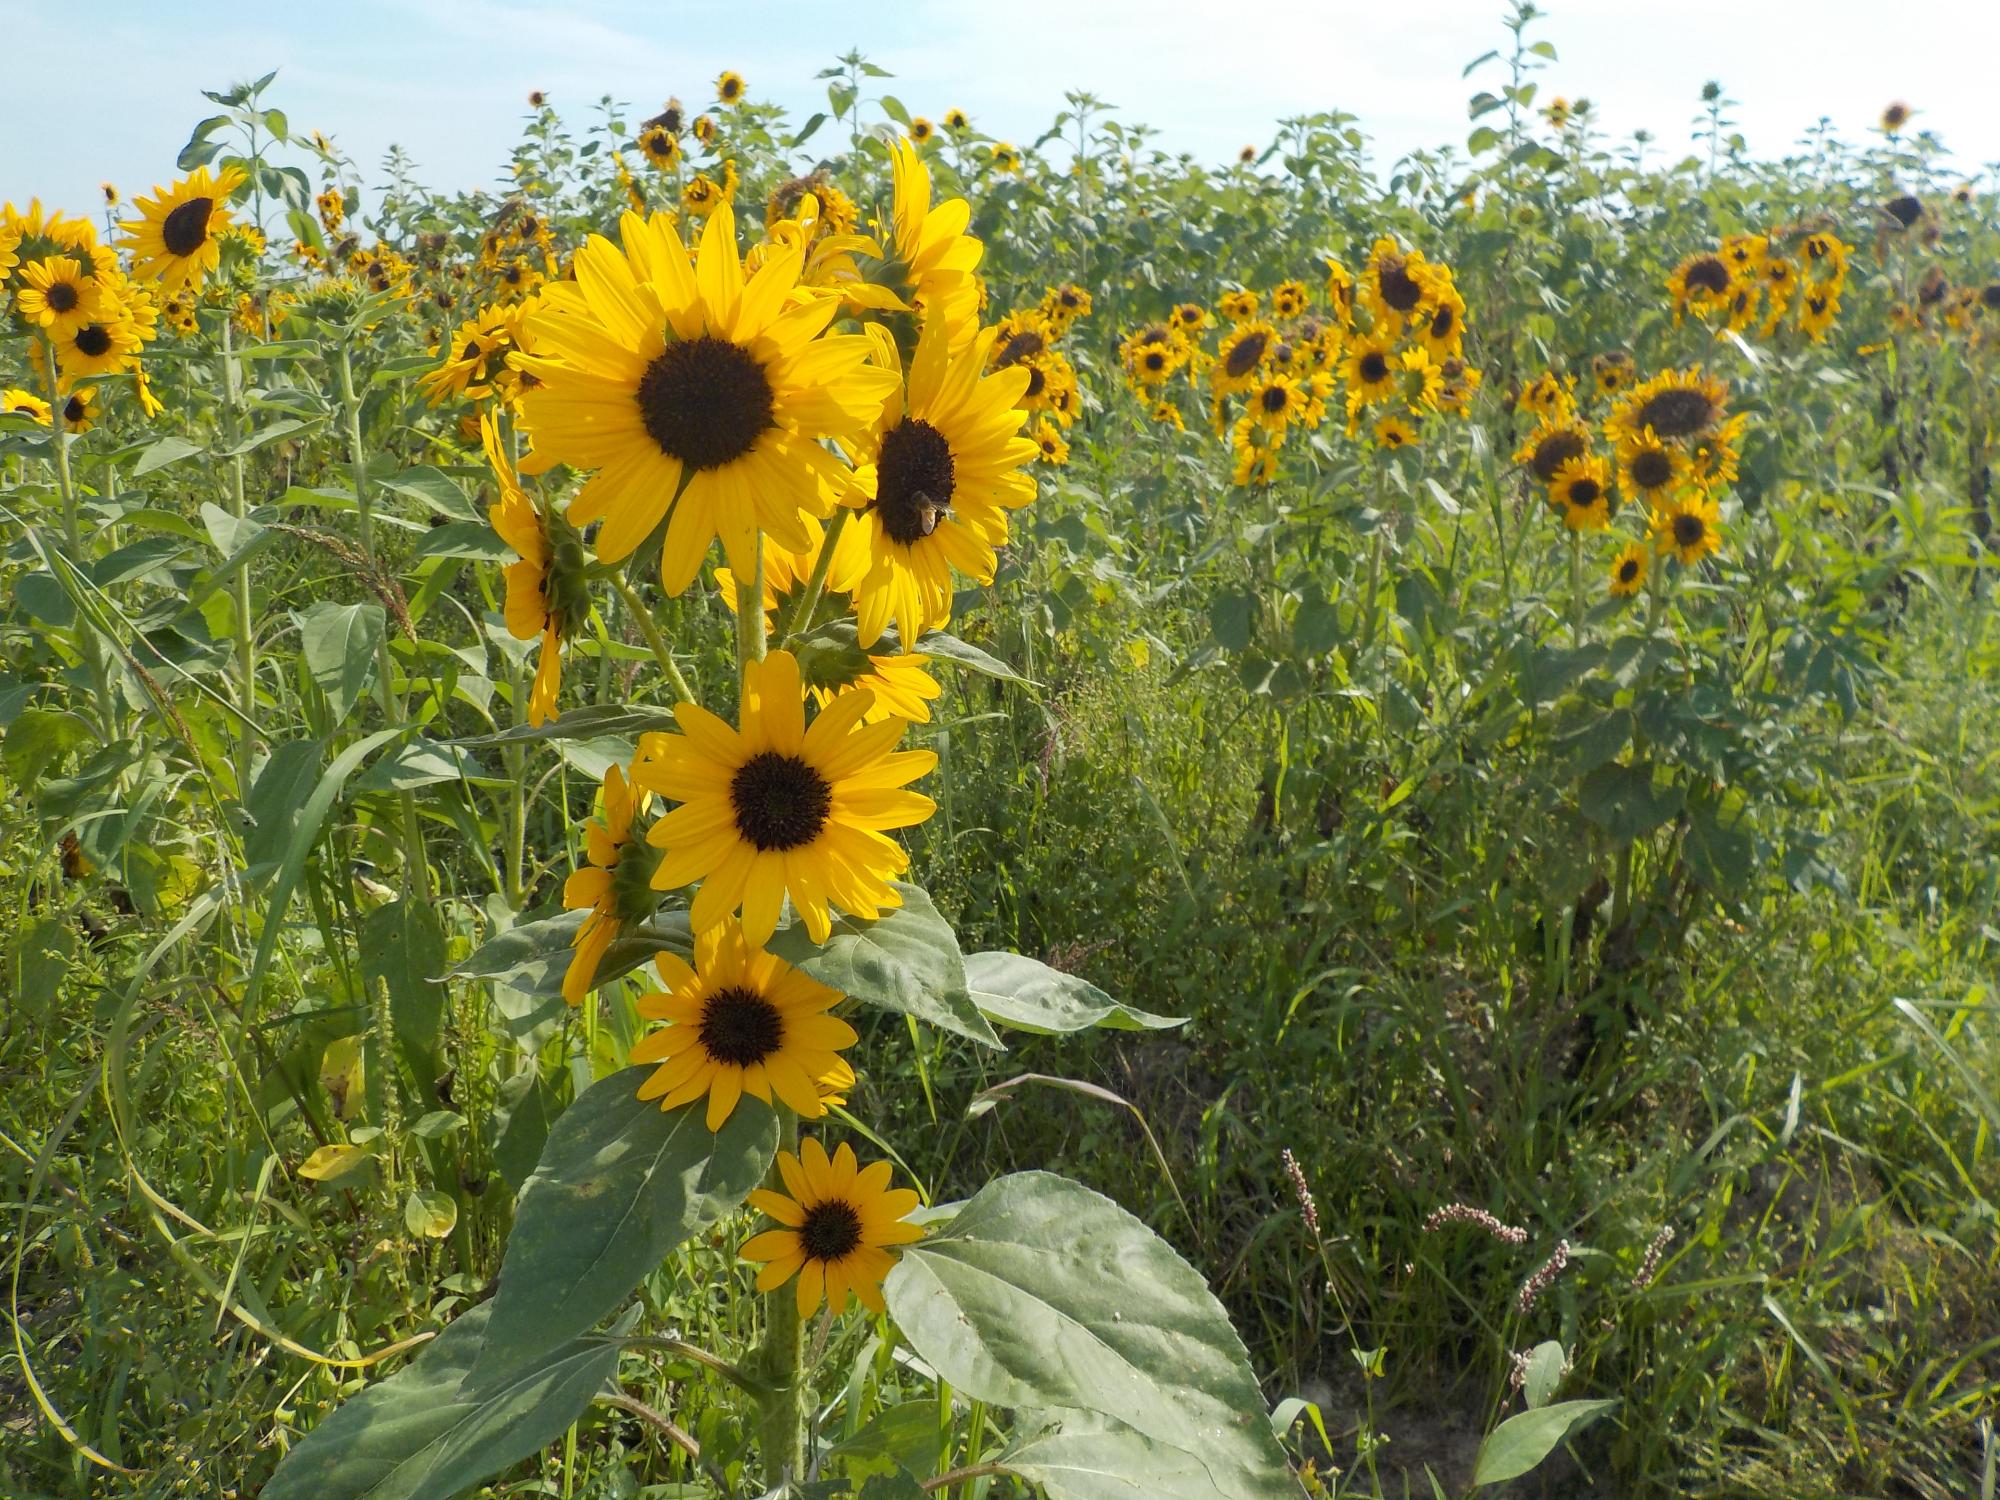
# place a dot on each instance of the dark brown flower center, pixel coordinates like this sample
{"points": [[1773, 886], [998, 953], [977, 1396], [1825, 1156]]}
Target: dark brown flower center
{"points": [[780, 801], [1584, 492], [1374, 366], [1245, 354], [1689, 529], [1442, 323], [74, 408], [914, 479], [705, 401], [831, 1231], [1553, 451], [1650, 468], [1400, 289], [740, 1027], [1628, 570], [1709, 275], [1904, 210], [1023, 345], [62, 296], [1676, 412], [93, 341], [185, 230], [1275, 398]]}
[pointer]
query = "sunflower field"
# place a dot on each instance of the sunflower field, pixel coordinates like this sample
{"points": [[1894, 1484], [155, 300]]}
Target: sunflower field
{"points": [[835, 808]]}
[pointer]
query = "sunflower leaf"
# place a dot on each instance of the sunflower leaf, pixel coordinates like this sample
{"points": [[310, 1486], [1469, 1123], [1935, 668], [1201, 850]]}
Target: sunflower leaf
{"points": [[1029, 995], [1044, 1294], [907, 960], [620, 1183], [1107, 1461], [533, 956], [432, 1431]]}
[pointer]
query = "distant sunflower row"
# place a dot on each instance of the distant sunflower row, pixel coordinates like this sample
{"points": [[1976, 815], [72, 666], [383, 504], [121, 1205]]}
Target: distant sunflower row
{"points": [[1388, 343], [1750, 283]]}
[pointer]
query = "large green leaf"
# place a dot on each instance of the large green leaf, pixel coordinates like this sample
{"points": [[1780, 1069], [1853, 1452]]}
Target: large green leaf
{"points": [[1521, 1442], [620, 1183], [532, 957], [430, 1432], [1044, 1294], [1116, 1463], [403, 949], [339, 642], [1028, 995], [907, 960], [593, 721]]}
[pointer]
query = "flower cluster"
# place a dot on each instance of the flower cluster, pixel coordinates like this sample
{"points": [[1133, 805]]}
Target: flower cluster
{"points": [[1753, 283], [1029, 340]]}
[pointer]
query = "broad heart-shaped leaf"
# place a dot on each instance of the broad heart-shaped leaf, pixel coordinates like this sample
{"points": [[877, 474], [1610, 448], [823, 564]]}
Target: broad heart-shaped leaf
{"points": [[1043, 1294], [533, 957], [906, 960], [620, 1183], [1112, 1462], [1521, 1442], [429, 1432], [1028, 995], [339, 642]]}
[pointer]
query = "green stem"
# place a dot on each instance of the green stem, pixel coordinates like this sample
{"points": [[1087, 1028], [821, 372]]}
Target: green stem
{"points": [[416, 873], [779, 1361], [86, 635], [802, 612], [245, 636], [750, 610], [649, 628], [1576, 588]]}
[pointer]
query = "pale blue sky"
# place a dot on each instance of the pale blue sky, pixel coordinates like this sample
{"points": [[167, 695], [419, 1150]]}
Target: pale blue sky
{"points": [[109, 90]]}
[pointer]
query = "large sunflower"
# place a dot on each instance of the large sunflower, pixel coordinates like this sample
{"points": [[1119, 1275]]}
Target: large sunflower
{"points": [[1372, 373], [839, 1228], [1399, 286], [176, 239], [1243, 352], [57, 294], [107, 345], [742, 1021], [778, 808], [1679, 405], [671, 380], [936, 478], [1689, 526]]}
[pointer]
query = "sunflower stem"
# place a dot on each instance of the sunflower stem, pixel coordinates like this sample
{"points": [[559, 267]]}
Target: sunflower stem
{"points": [[1576, 588], [780, 1359], [650, 629], [245, 637], [802, 612], [86, 633], [750, 610]]}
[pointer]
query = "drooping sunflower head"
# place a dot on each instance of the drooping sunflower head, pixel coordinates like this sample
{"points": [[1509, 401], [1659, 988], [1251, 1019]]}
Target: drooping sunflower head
{"points": [[660, 146], [1628, 570], [1895, 116], [739, 1021], [729, 87], [1340, 290], [840, 1226], [1550, 446], [781, 808], [1005, 158], [1905, 209], [176, 238]]}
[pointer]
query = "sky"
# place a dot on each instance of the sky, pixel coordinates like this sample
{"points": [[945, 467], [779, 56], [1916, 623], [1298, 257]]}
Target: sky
{"points": [[447, 79]]}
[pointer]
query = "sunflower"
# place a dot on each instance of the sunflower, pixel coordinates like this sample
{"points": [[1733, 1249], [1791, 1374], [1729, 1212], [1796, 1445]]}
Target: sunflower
{"points": [[1648, 468], [1628, 570], [779, 808], [901, 686], [1826, 254], [1679, 405], [57, 294], [546, 594], [703, 195], [1817, 310], [1581, 493], [1062, 305], [1613, 372], [175, 239], [1005, 157], [1444, 335], [1288, 299], [957, 119], [839, 1228], [1242, 354], [740, 1021], [1255, 450], [78, 413], [1166, 413], [108, 345], [1550, 446], [1400, 288], [1052, 447], [1340, 290], [1895, 116], [1281, 400], [726, 414], [1238, 306], [1190, 318], [1372, 371], [1688, 526], [1152, 354], [1394, 432], [921, 130], [729, 87], [613, 885], [1547, 397], [660, 146], [705, 129], [934, 480], [24, 403], [477, 354]]}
